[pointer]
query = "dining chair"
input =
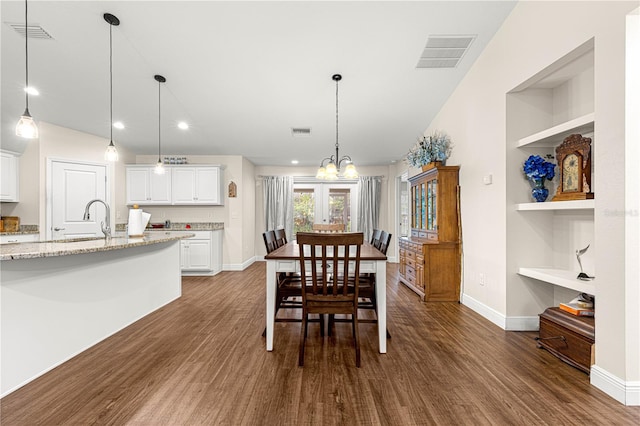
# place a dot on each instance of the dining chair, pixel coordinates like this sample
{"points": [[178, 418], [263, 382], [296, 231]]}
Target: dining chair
{"points": [[288, 286], [269, 238], [330, 269], [281, 237], [328, 227], [367, 291], [375, 236]]}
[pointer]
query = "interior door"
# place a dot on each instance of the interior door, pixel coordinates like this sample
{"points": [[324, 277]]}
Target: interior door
{"points": [[325, 203], [72, 185]]}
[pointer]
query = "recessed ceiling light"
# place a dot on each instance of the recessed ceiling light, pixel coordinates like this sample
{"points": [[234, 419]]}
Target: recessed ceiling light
{"points": [[294, 161], [182, 125], [118, 125], [31, 90]]}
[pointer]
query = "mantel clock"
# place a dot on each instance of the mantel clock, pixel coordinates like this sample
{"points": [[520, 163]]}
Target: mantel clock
{"points": [[574, 161]]}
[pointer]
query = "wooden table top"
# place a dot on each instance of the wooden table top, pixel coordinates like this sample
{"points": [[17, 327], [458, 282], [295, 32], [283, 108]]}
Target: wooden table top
{"points": [[291, 250]]}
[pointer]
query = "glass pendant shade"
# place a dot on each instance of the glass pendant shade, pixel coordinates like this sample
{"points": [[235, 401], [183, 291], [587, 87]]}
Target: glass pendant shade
{"points": [[111, 154], [350, 172], [321, 173], [159, 169], [332, 171], [26, 126]]}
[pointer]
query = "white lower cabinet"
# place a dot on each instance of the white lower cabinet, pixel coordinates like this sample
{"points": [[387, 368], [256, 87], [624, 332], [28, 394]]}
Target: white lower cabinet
{"points": [[201, 254]]}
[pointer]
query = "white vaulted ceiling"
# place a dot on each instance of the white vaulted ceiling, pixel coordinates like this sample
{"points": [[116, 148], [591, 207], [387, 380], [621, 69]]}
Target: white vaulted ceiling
{"points": [[242, 74]]}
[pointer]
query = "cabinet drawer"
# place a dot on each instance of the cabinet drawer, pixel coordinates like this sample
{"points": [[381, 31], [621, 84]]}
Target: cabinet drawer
{"points": [[410, 271], [432, 237], [411, 262], [410, 278], [410, 255], [567, 337], [419, 259]]}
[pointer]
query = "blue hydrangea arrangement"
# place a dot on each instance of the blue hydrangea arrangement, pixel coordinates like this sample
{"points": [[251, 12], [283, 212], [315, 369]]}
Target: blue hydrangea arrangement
{"points": [[435, 147], [536, 167]]}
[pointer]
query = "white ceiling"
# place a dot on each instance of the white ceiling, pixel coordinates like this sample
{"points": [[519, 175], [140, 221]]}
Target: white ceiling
{"points": [[241, 73]]}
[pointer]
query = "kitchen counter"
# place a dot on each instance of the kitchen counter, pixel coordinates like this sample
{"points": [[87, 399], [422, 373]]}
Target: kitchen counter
{"points": [[84, 245], [24, 230], [182, 226], [59, 298]]}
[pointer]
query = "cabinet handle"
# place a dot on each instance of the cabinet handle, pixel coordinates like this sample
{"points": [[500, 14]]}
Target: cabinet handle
{"points": [[59, 229]]}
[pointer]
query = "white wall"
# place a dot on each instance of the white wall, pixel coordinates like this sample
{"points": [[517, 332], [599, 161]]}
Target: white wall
{"points": [[534, 36]]}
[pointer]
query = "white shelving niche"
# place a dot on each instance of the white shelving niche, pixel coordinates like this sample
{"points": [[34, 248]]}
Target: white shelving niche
{"points": [[542, 238]]}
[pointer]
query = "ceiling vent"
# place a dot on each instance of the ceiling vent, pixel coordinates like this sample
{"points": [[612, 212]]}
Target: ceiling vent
{"points": [[300, 131], [35, 31], [444, 51]]}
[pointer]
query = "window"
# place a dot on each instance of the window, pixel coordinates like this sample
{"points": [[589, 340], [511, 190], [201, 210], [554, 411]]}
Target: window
{"points": [[323, 203]]}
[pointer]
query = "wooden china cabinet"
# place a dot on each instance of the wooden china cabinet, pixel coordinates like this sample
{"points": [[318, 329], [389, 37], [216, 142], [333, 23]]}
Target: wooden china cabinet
{"points": [[430, 258]]}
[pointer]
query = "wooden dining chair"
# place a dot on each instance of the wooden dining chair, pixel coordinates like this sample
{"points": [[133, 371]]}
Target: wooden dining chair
{"points": [[375, 236], [288, 286], [281, 237], [367, 291], [330, 269], [328, 227]]}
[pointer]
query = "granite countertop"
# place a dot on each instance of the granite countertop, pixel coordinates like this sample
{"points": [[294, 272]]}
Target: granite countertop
{"points": [[84, 245], [181, 226]]}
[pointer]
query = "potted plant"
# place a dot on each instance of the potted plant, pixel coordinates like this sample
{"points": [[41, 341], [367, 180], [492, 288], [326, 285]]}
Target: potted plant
{"points": [[433, 148], [537, 169]]}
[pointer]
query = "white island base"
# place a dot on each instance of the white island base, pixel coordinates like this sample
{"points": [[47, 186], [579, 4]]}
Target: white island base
{"points": [[53, 308]]}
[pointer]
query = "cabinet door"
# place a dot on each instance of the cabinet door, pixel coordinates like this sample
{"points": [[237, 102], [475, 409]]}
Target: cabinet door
{"points": [[9, 177], [199, 256], [160, 187], [183, 185], [207, 185], [138, 185]]}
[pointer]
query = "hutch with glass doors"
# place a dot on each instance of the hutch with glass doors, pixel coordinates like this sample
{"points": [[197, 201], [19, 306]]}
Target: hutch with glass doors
{"points": [[430, 257]]}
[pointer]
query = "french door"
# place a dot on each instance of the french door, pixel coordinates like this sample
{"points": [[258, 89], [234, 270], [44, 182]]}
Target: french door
{"points": [[324, 203]]}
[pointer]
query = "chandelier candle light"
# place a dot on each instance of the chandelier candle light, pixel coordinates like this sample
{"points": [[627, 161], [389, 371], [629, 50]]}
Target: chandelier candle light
{"points": [[111, 154], [26, 127], [332, 168], [159, 169]]}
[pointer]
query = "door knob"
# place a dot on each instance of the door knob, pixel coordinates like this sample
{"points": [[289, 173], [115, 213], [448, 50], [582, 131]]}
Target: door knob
{"points": [[59, 229]]}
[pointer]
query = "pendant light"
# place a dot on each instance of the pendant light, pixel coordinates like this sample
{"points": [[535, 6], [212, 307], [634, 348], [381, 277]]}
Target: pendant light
{"points": [[26, 127], [159, 169], [331, 170], [111, 154]]}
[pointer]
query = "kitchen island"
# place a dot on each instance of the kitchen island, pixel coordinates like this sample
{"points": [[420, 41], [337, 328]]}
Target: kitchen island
{"points": [[58, 298]]}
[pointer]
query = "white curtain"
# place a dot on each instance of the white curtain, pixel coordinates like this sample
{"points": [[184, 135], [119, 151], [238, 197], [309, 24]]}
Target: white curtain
{"points": [[278, 203], [368, 204]]}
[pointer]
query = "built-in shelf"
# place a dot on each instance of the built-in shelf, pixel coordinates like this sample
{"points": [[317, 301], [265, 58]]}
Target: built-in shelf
{"points": [[560, 277], [558, 205], [553, 136]]}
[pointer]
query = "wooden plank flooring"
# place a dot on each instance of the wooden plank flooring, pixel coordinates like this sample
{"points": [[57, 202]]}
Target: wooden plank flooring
{"points": [[202, 361]]}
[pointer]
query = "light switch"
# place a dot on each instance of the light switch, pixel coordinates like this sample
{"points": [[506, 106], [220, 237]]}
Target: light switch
{"points": [[487, 179]]}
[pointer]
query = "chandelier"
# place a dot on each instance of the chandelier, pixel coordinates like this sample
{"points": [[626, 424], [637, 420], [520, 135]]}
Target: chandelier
{"points": [[334, 163]]}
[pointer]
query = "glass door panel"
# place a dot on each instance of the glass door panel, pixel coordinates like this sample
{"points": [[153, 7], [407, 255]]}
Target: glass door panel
{"points": [[304, 210]]}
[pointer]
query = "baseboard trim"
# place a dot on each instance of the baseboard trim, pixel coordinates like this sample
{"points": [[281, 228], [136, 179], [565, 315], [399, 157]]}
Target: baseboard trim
{"points": [[627, 393], [502, 321], [239, 266]]}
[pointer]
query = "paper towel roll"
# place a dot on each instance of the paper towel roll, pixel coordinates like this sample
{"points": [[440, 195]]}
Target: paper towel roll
{"points": [[137, 222]]}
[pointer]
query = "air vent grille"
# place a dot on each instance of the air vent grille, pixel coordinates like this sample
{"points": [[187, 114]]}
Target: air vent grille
{"points": [[300, 131], [444, 51], [34, 30]]}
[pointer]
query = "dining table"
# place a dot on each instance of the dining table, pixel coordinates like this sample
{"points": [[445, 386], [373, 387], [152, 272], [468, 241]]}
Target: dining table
{"points": [[287, 259]]}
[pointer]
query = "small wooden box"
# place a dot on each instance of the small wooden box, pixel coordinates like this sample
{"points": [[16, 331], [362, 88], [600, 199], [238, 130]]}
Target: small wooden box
{"points": [[568, 336]]}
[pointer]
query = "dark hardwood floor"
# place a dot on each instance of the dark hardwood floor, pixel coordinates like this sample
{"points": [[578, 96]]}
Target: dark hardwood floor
{"points": [[202, 361]]}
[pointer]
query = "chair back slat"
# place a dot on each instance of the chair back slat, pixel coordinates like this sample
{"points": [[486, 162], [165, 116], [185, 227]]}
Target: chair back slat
{"points": [[375, 237]]}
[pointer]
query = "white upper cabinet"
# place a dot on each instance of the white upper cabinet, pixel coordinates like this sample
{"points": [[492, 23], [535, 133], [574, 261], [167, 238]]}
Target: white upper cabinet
{"points": [[144, 187], [180, 185], [197, 185], [9, 177]]}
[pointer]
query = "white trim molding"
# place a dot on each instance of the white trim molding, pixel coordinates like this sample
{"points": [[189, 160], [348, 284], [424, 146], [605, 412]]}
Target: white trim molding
{"points": [[499, 319], [239, 266], [627, 393]]}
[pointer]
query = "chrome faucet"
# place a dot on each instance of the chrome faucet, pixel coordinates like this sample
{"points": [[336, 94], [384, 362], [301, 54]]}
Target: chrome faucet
{"points": [[106, 230]]}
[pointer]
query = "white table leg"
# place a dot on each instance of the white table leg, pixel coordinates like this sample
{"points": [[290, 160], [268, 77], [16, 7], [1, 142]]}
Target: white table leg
{"points": [[271, 302], [381, 299]]}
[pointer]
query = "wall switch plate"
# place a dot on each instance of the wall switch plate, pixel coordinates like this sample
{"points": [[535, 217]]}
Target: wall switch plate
{"points": [[482, 278], [487, 179]]}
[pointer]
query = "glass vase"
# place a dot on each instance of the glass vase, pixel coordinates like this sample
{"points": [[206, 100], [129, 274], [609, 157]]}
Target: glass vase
{"points": [[539, 192]]}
